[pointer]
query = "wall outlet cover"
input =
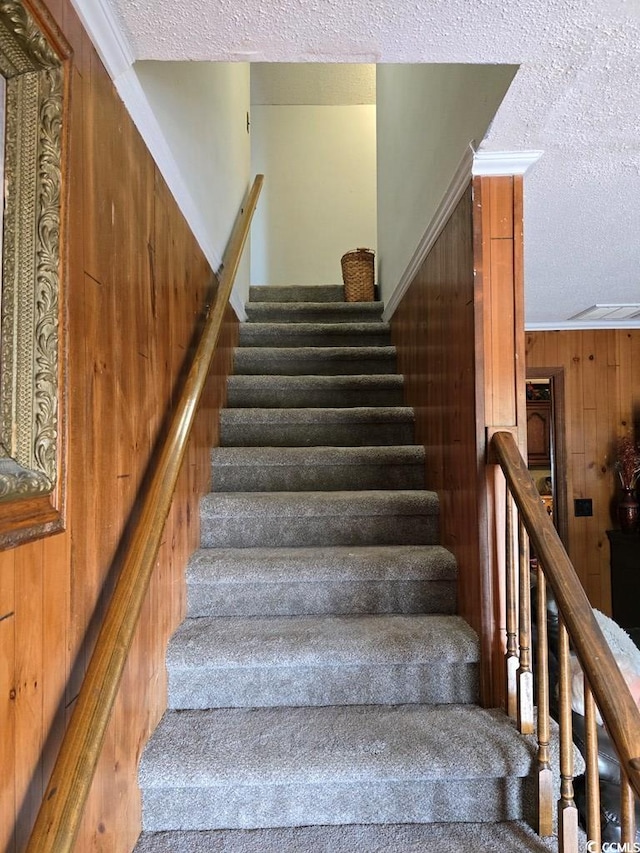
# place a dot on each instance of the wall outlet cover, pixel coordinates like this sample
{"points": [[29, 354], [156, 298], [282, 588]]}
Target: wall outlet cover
{"points": [[583, 507]]}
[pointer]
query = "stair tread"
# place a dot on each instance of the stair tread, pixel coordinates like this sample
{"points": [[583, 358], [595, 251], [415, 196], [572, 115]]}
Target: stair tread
{"points": [[504, 837], [320, 307], [353, 380], [305, 293], [316, 565], [327, 414], [333, 744], [318, 455], [371, 502], [354, 332], [329, 353], [318, 641]]}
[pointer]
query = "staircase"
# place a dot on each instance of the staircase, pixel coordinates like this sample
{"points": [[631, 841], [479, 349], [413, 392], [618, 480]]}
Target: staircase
{"points": [[322, 691]]}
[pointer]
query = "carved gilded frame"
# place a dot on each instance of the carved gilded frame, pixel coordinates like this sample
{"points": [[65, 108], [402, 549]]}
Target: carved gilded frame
{"points": [[33, 58]]}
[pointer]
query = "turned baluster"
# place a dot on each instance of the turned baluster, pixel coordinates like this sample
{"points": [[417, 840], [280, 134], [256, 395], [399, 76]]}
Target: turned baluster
{"points": [[545, 774], [512, 661], [525, 675], [592, 773], [567, 811]]}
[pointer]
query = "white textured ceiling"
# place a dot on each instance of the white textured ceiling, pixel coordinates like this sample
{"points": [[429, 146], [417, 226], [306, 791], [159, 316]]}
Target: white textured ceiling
{"points": [[576, 97]]}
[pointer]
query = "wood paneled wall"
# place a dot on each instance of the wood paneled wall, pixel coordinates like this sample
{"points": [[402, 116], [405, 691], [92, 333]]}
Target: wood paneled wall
{"points": [[460, 338], [602, 401], [434, 332], [136, 288]]}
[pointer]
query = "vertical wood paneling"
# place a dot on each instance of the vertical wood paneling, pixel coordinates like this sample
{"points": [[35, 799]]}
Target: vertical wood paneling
{"points": [[459, 332], [602, 395], [433, 330], [7, 701], [136, 288]]}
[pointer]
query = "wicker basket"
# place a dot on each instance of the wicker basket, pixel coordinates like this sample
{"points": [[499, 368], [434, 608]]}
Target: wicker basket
{"points": [[358, 275]]}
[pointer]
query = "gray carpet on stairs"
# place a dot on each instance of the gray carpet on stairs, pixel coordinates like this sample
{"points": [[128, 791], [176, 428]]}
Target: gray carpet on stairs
{"points": [[314, 312], [337, 580], [322, 690], [322, 660], [315, 334], [247, 769], [274, 469], [512, 837], [328, 361], [340, 427]]}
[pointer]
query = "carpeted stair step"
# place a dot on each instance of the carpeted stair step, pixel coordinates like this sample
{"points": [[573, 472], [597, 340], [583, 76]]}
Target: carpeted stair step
{"points": [[344, 427], [505, 837], [322, 660], [302, 519], [314, 312], [297, 293], [314, 391], [328, 361], [290, 469], [258, 768], [314, 334], [336, 580]]}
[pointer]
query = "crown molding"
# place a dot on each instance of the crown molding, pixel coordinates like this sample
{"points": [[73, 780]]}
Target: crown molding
{"points": [[109, 40], [472, 164], [494, 163], [448, 203]]}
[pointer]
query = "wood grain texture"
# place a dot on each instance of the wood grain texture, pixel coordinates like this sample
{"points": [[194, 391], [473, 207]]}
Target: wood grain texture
{"points": [[434, 332], [136, 290], [578, 629], [602, 401], [459, 332]]}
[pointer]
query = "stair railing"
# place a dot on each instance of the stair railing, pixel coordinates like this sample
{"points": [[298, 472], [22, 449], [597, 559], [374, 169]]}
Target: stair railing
{"points": [[60, 813], [527, 521]]}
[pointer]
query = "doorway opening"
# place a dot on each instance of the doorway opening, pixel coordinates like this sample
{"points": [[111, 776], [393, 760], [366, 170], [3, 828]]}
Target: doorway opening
{"points": [[546, 443]]}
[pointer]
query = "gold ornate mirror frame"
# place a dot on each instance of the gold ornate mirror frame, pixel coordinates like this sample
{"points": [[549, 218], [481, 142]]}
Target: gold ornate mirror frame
{"points": [[33, 59]]}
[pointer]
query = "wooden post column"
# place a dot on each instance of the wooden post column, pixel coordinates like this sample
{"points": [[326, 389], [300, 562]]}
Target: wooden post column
{"points": [[500, 394]]}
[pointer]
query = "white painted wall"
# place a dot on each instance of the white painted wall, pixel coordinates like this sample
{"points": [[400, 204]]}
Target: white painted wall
{"points": [[427, 116], [319, 196], [201, 108]]}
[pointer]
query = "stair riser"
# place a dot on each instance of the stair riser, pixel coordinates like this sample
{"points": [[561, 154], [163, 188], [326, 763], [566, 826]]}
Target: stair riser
{"points": [[300, 686], [297, 293], [313, 435], [286, 532], [303, 478], [339, 598], [391, 801], [346, 312], [312, 335], [245, 395], [262, 360]]}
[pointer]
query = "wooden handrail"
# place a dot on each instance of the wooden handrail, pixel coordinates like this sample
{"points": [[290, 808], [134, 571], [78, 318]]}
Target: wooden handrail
{"points": [[59, 817], [617, 707]]}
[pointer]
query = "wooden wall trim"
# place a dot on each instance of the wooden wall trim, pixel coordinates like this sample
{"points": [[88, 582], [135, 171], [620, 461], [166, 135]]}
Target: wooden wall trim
{"points": [[500, 391]]}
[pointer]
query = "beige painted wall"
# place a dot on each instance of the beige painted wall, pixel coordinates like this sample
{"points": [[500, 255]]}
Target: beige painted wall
{"points": [[319, 198], [426, 117], [201, 108]]}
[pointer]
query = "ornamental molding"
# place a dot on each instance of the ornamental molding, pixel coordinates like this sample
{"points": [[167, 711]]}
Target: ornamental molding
{"points": [[29, 315]]}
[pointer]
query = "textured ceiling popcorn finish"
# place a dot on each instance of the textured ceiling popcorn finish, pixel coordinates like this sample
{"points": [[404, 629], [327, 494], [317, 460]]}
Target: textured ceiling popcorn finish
{"points": [[576, 97]]}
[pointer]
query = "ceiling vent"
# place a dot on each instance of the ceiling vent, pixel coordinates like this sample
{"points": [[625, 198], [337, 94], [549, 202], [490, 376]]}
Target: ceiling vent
{"points": [[610, 312]]}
